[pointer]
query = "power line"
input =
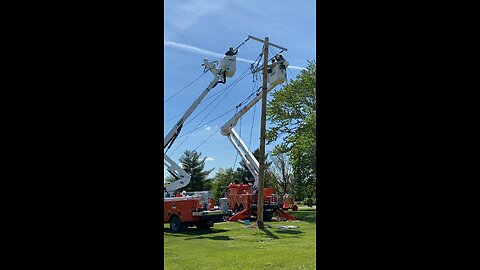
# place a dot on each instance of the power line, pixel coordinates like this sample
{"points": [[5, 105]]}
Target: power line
{"points": [[190, 132], [229, 87], [225, 90], [183, 88], [202, 124], [210, 97], [253, 121]]}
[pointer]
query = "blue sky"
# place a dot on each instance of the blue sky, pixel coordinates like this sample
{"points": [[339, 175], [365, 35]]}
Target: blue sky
{"points": [[198, 29]]}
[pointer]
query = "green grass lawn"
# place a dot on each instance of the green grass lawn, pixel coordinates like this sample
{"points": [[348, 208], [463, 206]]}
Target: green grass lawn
{"points": [[230, 245]]}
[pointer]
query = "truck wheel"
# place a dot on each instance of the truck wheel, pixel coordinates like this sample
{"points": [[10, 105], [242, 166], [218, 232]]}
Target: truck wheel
{"points": [[175, 224]]}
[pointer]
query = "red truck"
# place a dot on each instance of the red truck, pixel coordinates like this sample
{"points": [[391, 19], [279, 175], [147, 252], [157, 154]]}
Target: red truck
{"points": [[192, 209], [195, 209], [243, 203]]}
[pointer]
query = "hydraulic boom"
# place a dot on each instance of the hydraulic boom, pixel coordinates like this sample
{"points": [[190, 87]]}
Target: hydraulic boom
{"points": [[227, 69], [276, 76]]}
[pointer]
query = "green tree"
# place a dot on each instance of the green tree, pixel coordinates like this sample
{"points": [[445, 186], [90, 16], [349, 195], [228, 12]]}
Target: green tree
{"points": [[168, 180], [243, 176], [282, 170], [221, 180], [194, 165], [292, 116]]}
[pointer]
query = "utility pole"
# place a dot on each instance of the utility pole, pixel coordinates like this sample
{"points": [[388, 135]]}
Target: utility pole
{"points": [[261, 161]]}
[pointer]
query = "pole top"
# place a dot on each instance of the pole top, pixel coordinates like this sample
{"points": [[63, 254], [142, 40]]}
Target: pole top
{"points": [[269, 44]]}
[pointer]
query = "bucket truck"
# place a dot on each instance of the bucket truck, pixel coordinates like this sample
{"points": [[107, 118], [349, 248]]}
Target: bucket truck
{"points": [[242, 198], [195, 208]]}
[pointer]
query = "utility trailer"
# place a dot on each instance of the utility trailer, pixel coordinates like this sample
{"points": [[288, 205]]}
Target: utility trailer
{"points": [[288, 202]]}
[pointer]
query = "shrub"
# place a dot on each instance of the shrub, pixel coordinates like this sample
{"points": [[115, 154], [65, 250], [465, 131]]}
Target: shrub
{"points": [[309, 202]]}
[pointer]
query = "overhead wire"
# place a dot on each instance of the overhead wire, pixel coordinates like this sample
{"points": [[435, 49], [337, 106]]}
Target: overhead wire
{"points": [[253, 121], [174, 117], [241, 44], [236, 155], [234, 83], [184, 88], [210, 97], [222, 91], [254, 70], [202, 124]]}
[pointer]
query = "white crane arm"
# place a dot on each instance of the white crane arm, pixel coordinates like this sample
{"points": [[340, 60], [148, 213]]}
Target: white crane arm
{"points": [[181, 176], [227, 129]]}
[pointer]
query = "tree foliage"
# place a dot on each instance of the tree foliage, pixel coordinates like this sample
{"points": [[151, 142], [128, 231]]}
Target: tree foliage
{"points": [[282, 171], [221, 180], [292, 116]]}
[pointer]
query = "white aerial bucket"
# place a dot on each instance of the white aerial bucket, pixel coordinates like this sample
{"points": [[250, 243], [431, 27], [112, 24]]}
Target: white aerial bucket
{"points": [[229, 64], [278, 73]]}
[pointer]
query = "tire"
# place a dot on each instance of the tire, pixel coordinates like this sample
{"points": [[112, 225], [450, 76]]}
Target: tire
{"points": [[175, 224]]}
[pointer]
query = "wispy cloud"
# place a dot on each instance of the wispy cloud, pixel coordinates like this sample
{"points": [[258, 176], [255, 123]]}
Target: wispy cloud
{"points": [[201, 51], [295, 67], [191, 49], [185, 15], [209, 159]]}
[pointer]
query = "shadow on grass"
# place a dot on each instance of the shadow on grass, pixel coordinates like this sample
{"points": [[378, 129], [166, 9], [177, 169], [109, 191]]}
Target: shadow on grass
{"points": [[269, 234], [224, 238], [288, 232], [192, 231]]}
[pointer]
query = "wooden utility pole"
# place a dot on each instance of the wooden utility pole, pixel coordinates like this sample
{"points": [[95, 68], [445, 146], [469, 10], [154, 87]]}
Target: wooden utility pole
{"points": [[262, 163], [261, 179]]}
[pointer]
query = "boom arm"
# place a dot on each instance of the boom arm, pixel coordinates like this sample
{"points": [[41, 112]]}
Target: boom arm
{"points": [[227, 130], [181, 176]]}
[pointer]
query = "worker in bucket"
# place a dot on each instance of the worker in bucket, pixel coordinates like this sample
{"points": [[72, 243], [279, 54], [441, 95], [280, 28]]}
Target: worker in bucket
{"points": [[279, 57], [269, 67], [230, 52]]}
